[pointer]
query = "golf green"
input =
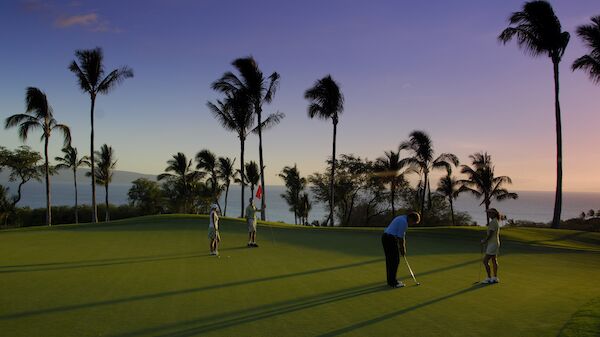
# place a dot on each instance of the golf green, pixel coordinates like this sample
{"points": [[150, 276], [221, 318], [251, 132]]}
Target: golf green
{"points": [[152, 276]]}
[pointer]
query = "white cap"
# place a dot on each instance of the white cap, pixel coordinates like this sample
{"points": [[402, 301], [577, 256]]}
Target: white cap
{"points": [[214, 206]]}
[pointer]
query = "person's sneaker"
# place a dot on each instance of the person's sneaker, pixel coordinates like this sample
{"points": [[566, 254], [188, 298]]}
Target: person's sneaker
{"points": [[254, 244], [487, 281], [249, 244], [216, 252], [398, 285], [495, 280]]}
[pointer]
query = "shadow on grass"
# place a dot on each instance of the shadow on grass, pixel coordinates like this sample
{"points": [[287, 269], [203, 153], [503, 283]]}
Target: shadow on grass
{"points": [[221, 321], [212, 287], [393, 314], [180, 292], [95, 263]]}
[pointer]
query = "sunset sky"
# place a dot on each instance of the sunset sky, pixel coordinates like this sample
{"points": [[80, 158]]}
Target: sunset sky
{"points": [[402, 65]]}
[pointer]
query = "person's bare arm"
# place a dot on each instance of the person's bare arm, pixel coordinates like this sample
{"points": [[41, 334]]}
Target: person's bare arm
{"points": [[402, 246]]}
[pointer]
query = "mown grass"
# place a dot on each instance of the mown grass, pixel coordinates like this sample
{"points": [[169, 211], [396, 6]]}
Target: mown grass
{"points": [[153, 276]]}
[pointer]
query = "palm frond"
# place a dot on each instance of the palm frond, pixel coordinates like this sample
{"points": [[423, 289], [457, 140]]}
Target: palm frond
{"points": [[270, 121], [115, 77]]}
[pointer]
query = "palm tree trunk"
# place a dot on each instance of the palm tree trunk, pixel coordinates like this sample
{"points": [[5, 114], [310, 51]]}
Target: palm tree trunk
{"points": [[558, 195], [94, 208], [487, 207], [331, 184], [425, 183], [226, 194], [393, 190], [243, 181], [452, 211], [263, 199], [75, 181], [106, 217], [428, 196], [47, 171]]}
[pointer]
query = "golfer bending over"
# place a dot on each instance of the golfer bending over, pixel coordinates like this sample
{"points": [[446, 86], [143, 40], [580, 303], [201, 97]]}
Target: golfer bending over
{"points": [[394, 245], [492, 246], [213, 230], [251, 211]]}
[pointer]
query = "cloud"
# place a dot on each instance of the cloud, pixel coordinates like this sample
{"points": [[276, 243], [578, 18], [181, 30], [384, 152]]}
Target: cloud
{"points": [[35, 5], [77, 20]]}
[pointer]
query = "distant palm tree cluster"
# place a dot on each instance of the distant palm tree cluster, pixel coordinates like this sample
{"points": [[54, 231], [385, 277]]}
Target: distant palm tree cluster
{"points": [[39, 115], [244, 94]]}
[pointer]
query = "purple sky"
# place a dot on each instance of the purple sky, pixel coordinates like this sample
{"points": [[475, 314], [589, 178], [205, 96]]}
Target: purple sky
{"points": [[402, 65]]}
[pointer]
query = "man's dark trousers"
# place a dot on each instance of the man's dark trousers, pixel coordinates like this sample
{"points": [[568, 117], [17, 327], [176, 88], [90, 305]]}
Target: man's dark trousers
{"points": [[392, 257]]}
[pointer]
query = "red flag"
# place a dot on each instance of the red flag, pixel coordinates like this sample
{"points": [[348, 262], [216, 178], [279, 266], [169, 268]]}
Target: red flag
{"points": [[259, 192]]}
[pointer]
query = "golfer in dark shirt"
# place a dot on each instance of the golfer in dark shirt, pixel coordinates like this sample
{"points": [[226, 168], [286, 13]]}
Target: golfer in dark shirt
{"points": [[394, 245]]}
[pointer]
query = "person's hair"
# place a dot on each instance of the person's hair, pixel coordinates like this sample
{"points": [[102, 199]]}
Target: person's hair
{"points": [[414, 216], [495, 214], [251, 199]]}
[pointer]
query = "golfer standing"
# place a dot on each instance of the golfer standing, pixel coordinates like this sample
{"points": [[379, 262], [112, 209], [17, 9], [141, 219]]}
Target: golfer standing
{"points": [[394, 245], [491, 242], [213, 230], [251, 211]]}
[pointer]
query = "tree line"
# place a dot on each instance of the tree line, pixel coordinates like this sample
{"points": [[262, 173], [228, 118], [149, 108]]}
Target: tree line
{"points": [[536, 29]]}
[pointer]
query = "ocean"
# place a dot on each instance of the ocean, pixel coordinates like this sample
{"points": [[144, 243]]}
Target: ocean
{"points": [[532, 206]]}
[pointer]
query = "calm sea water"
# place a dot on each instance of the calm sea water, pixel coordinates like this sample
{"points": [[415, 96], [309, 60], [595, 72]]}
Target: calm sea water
{"points": [[533, 206]]}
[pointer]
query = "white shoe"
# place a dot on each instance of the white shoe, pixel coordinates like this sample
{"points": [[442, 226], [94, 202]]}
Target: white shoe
{"points": [[487, 281], [495, 280], [399, 285]]}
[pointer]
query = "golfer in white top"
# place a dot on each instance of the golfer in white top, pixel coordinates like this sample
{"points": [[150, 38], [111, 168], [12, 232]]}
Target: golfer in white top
{"points": [[213, 230], [491, 243]]}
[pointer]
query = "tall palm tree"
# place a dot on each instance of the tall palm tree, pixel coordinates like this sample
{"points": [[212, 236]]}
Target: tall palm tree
{"points": [[327, 102], [207, 162], [39, 115], [482, 182], [183, 174], [106, 162], [70, 160], [590, 63], [252, 175], [389, 169], [258, 90], [449, 187], [90, 76], [226, 173], [235, 115], [538, 31], [423, 160]]}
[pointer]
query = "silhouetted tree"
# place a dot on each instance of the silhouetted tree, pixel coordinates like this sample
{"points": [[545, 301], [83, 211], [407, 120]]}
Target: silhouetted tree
{"points": [[590, 63], [226, 173], [482, 183], [538, 31], [423, 160], [252, 176], [294, 184], [146, 195], [23, 164], [70, 160], [182, 178], [235, 115], [257, 90], [390, 170], [90, 76], [39, 115], [106, 163], [207, 162], [449, 187], [327, 102]]}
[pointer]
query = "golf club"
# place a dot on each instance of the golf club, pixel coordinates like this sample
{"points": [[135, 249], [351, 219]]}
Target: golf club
{"points": [[411, 272]]}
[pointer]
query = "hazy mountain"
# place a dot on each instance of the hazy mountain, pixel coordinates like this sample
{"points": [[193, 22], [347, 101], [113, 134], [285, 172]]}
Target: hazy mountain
{"points": [[66, 176]]}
